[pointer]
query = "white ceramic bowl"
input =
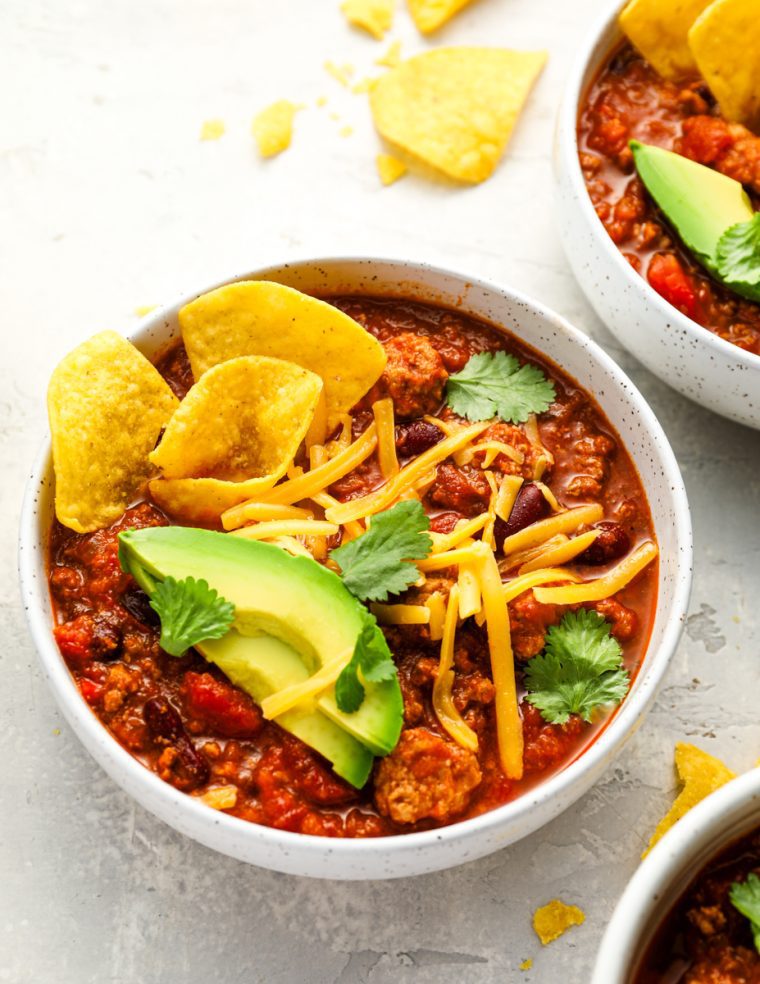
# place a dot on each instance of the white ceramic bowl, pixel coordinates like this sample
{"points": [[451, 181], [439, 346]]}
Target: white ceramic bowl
{"points": [[686, 356], [729, 813], [413, 853]]}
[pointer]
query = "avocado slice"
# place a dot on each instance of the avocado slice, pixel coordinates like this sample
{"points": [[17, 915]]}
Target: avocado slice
{"points": [[293, 600], [700, 203]]}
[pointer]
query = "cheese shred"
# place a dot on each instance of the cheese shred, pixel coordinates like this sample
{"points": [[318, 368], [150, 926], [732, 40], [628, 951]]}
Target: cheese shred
{"points": [[443, 702], [386, 437], [540, 532], [286, 527], [602, 587], [561, 553]]}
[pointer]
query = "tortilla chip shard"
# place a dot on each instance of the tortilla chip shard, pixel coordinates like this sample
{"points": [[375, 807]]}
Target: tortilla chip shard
{"points": [[256, 317], [455, 108], [660, 33], [374, 16], [725, 41], [555, 918], [234, 435], [272, 128], [429, 15], [389, 168], [700, 774], [107, 405]]}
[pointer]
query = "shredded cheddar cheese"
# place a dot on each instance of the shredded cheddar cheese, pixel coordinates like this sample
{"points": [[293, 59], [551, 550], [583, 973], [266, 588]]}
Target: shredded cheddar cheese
{"points": [[540, 532], [386, 437], [505, 500], [561, 553], [401, 614], [287, 698], [602, 587], [286, 527], [436, 606], [469, 589], [511, 589], [443, 703], [462, 531]]}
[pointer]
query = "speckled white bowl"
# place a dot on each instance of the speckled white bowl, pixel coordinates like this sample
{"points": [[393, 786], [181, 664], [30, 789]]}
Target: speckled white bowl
{"points": [[728, 814], [686, 356], [415, 853]]}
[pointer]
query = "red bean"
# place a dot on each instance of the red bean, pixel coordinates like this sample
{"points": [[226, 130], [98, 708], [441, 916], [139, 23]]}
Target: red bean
{"points": [[165, 724], [613, 542], [415, 437], [530, 506]]}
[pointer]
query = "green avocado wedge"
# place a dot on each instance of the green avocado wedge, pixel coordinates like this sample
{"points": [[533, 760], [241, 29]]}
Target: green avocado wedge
{"points": [[703, 206], [291, 616]]}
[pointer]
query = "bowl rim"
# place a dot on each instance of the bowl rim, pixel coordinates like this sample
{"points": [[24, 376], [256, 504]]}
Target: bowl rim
{"points": [[584, 68], [679, 852], [600, 752]]}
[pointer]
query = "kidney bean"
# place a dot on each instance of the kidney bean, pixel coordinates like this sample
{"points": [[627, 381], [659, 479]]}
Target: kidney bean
{"points": [[137, 604], [107, 632], [415, 437], [530, 506], [165, 724], [444, 522], [613, 542]]}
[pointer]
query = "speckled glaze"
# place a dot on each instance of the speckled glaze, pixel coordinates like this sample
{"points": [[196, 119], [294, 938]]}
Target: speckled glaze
{"points": [[686, 356], [416, 853], [729, 813]]}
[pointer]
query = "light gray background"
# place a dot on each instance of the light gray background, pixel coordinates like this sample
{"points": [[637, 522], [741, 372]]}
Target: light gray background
{"points": [[109, 201]]}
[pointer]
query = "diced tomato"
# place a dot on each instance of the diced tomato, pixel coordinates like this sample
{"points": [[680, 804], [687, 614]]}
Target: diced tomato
{"points": [[91, 691], [223, 708], [74, 639], [705, 138], [672, 282]]}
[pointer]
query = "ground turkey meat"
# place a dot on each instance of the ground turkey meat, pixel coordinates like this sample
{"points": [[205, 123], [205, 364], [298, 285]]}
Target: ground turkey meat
{"points": [[414, 375], [728, 147], [528, 621], [425, 776], [515, 437]]}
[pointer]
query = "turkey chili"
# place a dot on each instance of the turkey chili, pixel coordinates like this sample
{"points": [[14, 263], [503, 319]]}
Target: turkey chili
{"points": [[539, 567]]}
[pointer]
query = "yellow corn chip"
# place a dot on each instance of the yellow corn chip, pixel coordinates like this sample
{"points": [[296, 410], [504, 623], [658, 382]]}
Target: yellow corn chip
{"points": [[660, 32], [107, 405], [234, 435], [212, 130], [272, 128], [374, 16], [341, 73], [429, 15], [725, 41], [526, 964], [392, 56], [555, 918], [701, 774], [256, 317], [389, 168], [455, 108]]}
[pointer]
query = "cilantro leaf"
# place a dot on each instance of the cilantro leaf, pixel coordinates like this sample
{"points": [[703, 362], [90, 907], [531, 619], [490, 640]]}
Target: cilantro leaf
{"points": [[379, 562], [580, 669], [745, 896], [372, 659], [190, 611], [738, 257], [494, 384]]}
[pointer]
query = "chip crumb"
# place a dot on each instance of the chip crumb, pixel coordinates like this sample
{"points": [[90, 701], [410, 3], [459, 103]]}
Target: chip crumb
{"points": [[429, 15], [346, 131], [526, 964], [142, 309], [272, 128], [221, 797], [390, 168], [392, 56], [362, 86], [56, 731], [341, 73], [555, 918], [212, 129], [700, 774], [373, 16], [321, 101]]}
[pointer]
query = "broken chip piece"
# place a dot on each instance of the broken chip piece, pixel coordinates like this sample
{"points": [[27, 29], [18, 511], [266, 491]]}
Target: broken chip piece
{"points": [[660, 32], [429, 15], [256, 317], [373, 16], [272, 128], [555, 918], [390, 168], [723, 29], [212, 129], [455, 108], [701, 774], [107, 404]]}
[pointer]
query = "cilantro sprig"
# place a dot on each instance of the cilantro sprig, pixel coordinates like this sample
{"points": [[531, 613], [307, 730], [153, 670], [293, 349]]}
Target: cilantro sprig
{"points": [[494, 384], [380, 562], [190, 612], [580, 669], [745, 897], [371, 663], [738, 257]]}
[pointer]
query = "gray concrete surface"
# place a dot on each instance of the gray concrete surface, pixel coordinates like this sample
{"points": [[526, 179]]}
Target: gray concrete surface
{"points": [[108, 201]]}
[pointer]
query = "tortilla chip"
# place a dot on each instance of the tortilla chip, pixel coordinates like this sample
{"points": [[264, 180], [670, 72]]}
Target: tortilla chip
{"points": [[429, 15], [701, 774], [273, 127], [341, 73], [389, 168], [455, 108], [555, 918], [201, 501], [660, 32], [374, 16], [255, 317], [392, 56], [725, 41], [107, 405]]}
